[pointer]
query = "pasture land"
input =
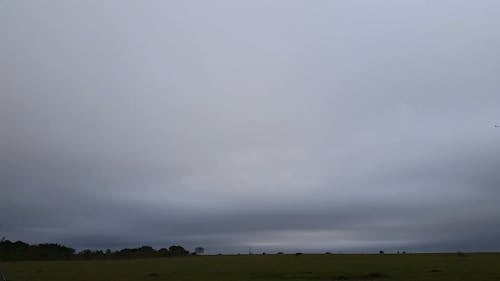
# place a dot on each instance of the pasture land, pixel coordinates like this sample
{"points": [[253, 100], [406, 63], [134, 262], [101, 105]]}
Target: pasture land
{"points": [[404, 267]]}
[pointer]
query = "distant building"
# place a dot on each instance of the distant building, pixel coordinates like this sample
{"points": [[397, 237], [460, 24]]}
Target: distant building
{"points": [[199, 250]]}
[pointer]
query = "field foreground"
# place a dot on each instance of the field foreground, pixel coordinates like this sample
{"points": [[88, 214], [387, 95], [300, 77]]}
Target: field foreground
{"points": [[471, 267]]}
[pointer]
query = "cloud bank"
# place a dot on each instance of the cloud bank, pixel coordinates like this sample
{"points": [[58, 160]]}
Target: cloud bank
{"points": [[282, 125]]}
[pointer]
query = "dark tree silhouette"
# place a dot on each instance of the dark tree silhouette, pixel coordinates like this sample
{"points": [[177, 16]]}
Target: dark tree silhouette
{"points": [[14, 251]]}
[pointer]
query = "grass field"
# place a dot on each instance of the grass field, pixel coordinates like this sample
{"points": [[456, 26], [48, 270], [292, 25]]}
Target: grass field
{"points": [[471, 267]]}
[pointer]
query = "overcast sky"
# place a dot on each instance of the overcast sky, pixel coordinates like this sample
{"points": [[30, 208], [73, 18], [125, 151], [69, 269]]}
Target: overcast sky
{"points": [[276, 125]]}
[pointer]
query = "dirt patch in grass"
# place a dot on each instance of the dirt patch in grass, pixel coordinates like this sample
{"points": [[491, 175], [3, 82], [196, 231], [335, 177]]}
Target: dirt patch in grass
{"points": [[153, 275]]}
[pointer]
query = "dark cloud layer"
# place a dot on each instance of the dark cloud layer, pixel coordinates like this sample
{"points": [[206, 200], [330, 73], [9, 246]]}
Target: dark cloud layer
{"points": [[282, 125]]}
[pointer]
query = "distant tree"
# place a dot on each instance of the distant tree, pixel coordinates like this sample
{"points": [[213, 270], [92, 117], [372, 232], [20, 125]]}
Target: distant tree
{"points": [[177, 250], [22, 251], [14, 251], [85, 254], [53, 251], [141, 252], [146, 251], [381, 252], [163, 252]]}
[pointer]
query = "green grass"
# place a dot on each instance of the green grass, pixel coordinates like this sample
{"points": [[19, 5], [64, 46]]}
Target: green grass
{"points": [[407, 267]]}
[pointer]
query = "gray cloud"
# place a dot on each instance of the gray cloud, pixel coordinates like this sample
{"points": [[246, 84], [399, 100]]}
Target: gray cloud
{"points": [[285, 125]]}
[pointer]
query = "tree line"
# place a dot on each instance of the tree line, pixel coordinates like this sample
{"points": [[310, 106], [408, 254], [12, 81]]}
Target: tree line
{"points": [[17, 251]]}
